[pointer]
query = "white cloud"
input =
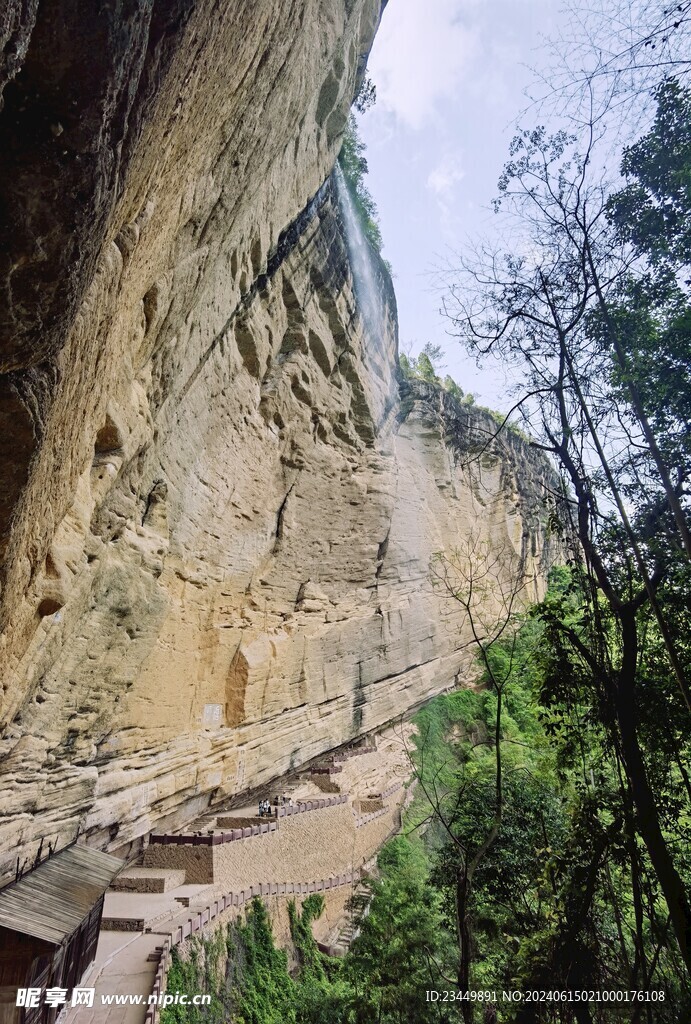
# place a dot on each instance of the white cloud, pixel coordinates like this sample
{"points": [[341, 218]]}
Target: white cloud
{"points": [[442, 178], [420, 55], [442, 182]]}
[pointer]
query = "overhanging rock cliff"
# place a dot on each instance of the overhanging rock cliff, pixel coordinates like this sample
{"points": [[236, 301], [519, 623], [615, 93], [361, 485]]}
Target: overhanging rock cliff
{"points": [[220, 510]]}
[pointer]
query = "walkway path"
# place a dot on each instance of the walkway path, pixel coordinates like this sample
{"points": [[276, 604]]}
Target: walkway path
{"points": [[142, 925]]}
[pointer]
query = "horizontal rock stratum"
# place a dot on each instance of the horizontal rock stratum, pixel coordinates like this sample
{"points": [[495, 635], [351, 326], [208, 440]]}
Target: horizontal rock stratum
{"points": [[218, 502]]}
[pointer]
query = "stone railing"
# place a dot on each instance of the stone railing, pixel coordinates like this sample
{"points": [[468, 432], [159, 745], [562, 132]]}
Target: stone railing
{"points": [[366, 818], [390, 791], [363, 819], [343, 755], [232, 900], [270, 825], [218, 838]]}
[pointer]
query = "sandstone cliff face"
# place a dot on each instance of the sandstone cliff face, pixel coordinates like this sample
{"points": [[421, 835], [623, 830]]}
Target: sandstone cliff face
{"points": [[219, 509], [150, 159]]}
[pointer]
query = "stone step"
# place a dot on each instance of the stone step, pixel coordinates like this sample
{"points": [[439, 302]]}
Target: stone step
{"points": [[148, 880]]}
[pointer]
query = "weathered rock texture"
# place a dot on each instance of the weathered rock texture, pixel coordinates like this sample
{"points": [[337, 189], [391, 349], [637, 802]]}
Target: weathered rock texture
{"points": [[217, 515]]}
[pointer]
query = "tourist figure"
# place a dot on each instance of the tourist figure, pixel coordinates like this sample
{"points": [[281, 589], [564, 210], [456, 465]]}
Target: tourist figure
{"points": [[261, 809]]}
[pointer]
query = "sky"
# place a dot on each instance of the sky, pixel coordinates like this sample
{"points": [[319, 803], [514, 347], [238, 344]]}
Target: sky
{"points": [[451, 78]]}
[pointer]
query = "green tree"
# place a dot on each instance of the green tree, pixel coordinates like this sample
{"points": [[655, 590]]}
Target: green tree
{"points": [[487, 586], [647, 324], [452, 387], [426, 365], [394, 960], [407, 364], [424, 368], [564, 897], [366, 95], [653, 211], [435, 354]]}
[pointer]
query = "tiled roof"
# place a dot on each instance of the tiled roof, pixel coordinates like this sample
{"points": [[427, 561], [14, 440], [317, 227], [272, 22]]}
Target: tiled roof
{"points": [[52, 900]]}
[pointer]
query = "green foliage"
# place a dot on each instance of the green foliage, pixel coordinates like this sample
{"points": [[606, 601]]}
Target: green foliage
{"points": [[354, 166], [650, 315], [309, 957], [261, 989], [366, 95], [393, 961], [187, 976], [450, 385], [240, 967], [426, 366], [442, 723], [455, 761], [405, 364], [654, 209], [624, 896], [558, 899]]}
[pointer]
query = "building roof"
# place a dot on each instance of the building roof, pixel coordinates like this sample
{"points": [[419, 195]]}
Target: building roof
{"points": [[52, 900]]}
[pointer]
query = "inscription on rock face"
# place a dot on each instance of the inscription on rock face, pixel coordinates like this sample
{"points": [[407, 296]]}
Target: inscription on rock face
{"points": [[212, 716]]}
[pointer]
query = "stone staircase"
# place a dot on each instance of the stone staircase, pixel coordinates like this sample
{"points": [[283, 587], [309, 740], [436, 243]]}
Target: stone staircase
{"points": [[358, 909], [334, 763]]}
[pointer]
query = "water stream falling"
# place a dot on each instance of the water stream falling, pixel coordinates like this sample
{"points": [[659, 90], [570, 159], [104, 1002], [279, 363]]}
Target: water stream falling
{"points": [[367, 287]]}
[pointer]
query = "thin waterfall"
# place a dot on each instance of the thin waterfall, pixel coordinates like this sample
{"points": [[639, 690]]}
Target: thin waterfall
{"points": [[367, 288]]}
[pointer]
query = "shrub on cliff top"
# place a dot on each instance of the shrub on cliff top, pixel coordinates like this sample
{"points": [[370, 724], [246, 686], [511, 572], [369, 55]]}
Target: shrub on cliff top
{"points": [[354, 167]]}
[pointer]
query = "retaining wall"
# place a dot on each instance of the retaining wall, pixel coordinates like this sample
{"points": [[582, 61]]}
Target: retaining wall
{"points": [[330, 838]]}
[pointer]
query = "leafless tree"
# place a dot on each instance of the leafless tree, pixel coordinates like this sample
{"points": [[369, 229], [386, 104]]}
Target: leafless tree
{"points": [[488, 585], [604, 62]]}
